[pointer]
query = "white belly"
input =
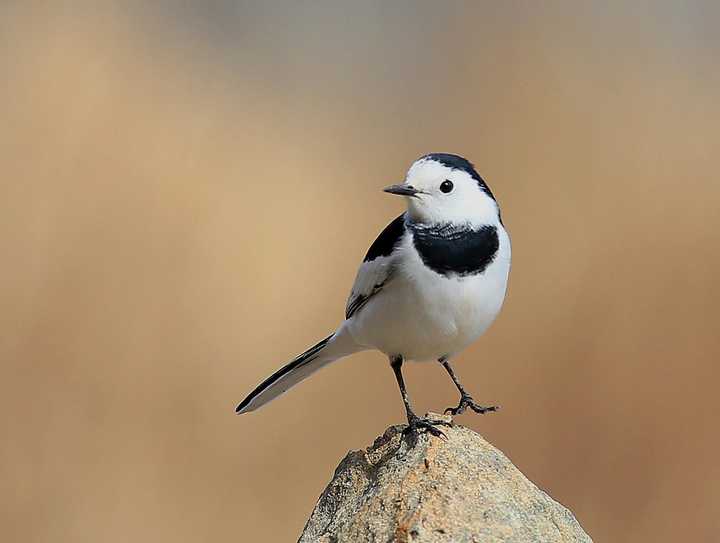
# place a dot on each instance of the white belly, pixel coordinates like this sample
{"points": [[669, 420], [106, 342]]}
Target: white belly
{"points": [[423, 315]]}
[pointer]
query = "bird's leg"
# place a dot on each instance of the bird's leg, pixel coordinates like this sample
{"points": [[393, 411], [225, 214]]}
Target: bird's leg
{"points": [[465, 398], [415, 423]]}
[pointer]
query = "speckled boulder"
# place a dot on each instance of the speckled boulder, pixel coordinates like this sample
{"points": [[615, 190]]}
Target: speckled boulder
{"points": [[457, 490]]}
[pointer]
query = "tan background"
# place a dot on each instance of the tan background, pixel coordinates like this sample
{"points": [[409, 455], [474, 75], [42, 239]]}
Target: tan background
{"points": [[186, 193]]}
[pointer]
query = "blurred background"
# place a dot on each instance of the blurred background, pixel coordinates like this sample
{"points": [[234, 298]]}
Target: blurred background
{"points": [[187, 190]]}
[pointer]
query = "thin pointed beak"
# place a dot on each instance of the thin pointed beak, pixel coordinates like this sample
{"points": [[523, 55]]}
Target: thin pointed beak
{"points": [[402, 189]]}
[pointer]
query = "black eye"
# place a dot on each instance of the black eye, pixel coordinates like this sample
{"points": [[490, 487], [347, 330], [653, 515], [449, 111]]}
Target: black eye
{"points": [[446, 186]]}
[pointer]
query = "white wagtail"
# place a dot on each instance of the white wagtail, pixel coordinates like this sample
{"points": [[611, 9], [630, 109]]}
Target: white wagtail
{"points": [[430, 284]]}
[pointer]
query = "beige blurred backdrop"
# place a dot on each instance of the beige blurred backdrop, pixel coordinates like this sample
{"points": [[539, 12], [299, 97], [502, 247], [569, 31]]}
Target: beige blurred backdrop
{"points": [[186, 192]]}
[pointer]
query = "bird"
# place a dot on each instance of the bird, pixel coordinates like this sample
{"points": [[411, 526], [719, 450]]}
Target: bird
{"points": [[432, 282]]}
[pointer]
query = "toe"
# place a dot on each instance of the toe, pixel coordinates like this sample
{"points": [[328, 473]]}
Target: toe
{"points": [[482, 410], [429, 426], [455, 410], [437, 432]]}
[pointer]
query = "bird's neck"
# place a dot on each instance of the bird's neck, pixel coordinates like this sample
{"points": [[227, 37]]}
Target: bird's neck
{"points": [[425, 222]]}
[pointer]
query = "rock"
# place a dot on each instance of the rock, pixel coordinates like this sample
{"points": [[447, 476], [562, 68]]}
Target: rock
{"points": [[461, 489]]}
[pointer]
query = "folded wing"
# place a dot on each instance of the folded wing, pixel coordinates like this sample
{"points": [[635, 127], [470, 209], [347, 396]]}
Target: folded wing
{"points": [[377, 266]]}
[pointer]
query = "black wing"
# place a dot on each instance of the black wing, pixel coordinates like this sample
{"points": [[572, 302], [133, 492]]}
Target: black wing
{"points": [[377, 267]]}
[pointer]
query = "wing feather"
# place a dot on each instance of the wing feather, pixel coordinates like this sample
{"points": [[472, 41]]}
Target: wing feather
{"points": [[377, 267]]}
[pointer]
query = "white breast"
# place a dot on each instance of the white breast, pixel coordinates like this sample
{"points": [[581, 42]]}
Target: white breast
{"points": [[423, 315]]}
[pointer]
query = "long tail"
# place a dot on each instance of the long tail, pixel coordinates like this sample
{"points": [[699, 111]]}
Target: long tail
{"points": [[330, 349]]}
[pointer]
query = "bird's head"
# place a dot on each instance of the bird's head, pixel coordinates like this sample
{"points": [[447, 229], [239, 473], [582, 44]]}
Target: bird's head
{"points": [[445, 188]]}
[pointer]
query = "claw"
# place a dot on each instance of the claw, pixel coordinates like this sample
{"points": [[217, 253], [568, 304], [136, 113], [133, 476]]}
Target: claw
{"points": [[467, 401], [418, 424]]}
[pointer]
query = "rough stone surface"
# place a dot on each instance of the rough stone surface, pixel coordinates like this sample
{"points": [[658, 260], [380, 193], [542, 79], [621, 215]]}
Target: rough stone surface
{"points": [[461, 489]]}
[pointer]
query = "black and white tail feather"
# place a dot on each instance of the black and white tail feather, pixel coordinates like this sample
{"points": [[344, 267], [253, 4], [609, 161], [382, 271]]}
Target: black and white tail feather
{"points": [[324, 352]]}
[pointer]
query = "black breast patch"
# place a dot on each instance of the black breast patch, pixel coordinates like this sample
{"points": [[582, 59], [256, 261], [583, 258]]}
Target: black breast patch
{"points": [[452, 250]]}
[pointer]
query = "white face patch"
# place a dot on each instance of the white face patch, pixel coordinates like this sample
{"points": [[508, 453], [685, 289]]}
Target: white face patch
{"points": [[466, 203]]}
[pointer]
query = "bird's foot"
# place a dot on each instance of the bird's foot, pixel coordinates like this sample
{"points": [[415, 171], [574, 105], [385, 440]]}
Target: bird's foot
{"points": [[417, 424], [467, 401]]}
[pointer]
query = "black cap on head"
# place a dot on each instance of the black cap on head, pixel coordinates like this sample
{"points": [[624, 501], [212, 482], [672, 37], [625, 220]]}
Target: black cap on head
{"points": [[457, 162]]}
